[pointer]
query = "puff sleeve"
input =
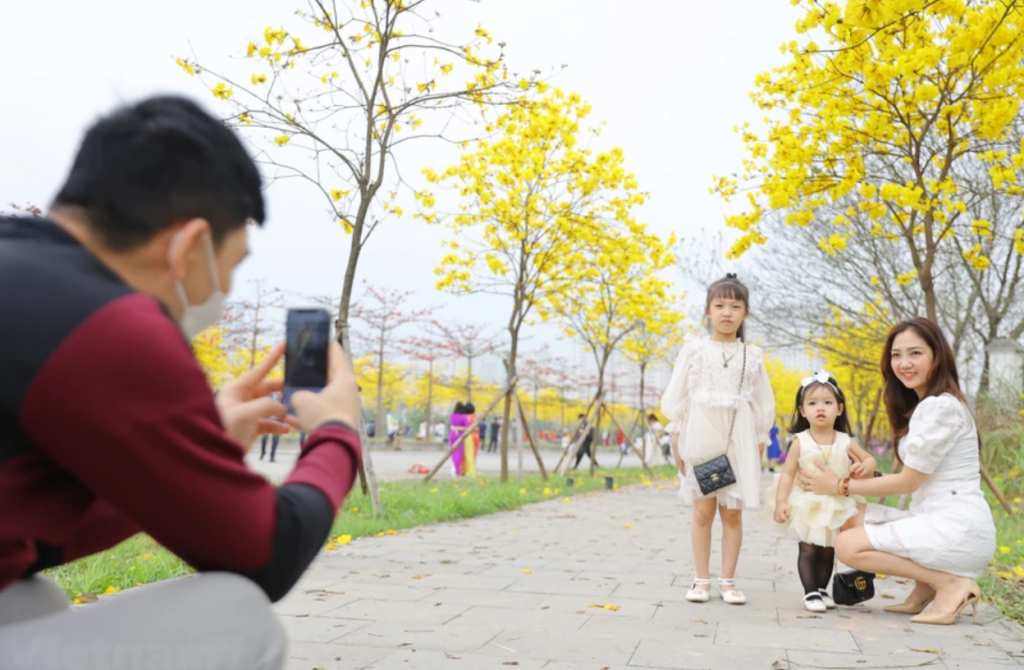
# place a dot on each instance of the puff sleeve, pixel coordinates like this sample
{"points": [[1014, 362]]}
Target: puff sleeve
{"points": [[675, 401], [931, 434], [763, 404]]}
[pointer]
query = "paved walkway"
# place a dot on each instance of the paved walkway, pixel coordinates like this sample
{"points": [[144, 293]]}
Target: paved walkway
{"points": [[571, 586]]}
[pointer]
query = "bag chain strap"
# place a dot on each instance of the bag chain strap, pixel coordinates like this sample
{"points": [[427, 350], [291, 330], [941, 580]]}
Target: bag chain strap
{"points": [[743, 372]]}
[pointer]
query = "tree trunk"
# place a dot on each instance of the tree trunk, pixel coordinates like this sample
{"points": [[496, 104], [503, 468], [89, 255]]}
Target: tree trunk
{"points": [[510, 370], [345, 303], [367, 462], [643, 399], [469, 379], [430, 402], [382, 429]]}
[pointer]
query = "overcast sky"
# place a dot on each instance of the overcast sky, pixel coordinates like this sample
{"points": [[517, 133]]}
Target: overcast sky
{"points": [[670, 77]]}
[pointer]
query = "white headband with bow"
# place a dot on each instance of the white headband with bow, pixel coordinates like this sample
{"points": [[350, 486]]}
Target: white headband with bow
{"points": [[820, 377]]}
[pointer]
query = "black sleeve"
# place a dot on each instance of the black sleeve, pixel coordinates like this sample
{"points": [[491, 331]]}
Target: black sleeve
{"points": [[304, 520]]}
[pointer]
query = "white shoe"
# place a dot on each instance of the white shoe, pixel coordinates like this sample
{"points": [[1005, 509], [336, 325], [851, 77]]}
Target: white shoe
{"points": [[726, 587], [827, 599], [813, 602], [695, 595]]}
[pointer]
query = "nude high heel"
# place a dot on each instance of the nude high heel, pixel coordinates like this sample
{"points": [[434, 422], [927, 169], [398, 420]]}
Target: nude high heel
{"points": [[909, 607], [949, 618]]}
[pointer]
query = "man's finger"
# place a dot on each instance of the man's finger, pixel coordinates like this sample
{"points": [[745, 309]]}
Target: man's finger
{"points": [[268, 386], [268, 427], [263, 368], [261, 408], [337, 359]]}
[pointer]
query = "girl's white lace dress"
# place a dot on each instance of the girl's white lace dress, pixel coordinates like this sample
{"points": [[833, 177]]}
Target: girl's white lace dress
{"points": [[700, 401]]}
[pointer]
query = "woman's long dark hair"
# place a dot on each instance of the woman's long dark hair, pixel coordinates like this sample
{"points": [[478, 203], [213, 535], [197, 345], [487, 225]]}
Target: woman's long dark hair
{"points": [[459, 408], [729, 288], [802, 423], [900, 401]]}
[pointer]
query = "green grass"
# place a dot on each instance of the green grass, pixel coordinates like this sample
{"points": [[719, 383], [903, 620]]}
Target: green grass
{"points": [[1003, 453], [407, 504]]}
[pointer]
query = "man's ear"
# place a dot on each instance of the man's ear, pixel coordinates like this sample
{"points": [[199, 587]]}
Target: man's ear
{"points": [[184, 240]]}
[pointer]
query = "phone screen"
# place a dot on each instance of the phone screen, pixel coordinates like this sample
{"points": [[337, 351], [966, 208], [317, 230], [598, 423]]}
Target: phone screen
{"points": [[305, 363]]}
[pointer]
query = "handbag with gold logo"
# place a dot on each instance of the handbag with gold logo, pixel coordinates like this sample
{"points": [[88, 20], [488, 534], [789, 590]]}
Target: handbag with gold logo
{"points": [[853, 587]]}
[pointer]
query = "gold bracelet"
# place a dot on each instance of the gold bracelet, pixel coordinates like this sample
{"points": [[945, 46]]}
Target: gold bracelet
{"points": [[839, 487], [846, 486]]}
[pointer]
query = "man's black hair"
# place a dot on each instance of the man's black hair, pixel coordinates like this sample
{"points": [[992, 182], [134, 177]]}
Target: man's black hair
{"points": [[160, 162]]}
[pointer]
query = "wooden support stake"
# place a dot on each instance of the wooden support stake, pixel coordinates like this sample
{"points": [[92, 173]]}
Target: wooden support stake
{"points": [[529, 437], [472, 427], [631, 444], [995, 489]]}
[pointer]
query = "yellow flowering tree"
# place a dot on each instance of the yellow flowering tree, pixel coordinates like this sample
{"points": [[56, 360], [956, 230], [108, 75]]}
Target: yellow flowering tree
{"points": [[876, 130], [657, 339], [330, 99], [212, 354], [623, 296], [533, 201]]}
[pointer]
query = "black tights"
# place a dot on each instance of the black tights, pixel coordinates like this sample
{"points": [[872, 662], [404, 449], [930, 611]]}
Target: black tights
{"points": [[815, 566]]}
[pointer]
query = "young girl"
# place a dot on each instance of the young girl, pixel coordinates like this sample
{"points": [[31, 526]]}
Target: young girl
{"points": [[720, 401], [821, 434]]}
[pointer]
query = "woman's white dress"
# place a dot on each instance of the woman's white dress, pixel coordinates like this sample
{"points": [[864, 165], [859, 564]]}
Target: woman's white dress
{"points": [[700, 401], [949, 524], [814, 518]]}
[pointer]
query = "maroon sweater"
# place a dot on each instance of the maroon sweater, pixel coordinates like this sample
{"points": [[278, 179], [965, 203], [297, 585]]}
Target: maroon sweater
{"points": [[108, 428]]}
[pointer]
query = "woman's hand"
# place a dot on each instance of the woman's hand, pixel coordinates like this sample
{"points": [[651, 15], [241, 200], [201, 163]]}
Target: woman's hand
{"points": [[864, 469], [783, 512], [822, 482]]}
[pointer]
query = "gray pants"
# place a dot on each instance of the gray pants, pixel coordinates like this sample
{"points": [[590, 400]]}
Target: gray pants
{"points": [[212, 621]]}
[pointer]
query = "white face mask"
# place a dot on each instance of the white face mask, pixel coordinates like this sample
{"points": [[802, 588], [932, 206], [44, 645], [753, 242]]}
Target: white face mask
{"points": [[197, 318]]}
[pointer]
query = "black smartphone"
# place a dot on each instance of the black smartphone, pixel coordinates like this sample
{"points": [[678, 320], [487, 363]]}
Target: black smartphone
{"points": [[307, 336]]}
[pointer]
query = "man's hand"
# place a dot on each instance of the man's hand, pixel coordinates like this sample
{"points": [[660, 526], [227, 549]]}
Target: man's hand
{"points": [[246, 408], [338, 401]]}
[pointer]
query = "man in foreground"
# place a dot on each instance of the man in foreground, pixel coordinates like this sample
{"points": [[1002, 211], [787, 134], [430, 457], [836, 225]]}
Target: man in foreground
{"points": [[108, 427]]}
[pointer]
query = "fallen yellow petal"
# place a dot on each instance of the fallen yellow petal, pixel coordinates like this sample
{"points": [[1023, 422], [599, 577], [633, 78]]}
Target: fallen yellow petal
{"points": [[111, 589], [343, 539], [331, 547], [628, 526], [565, 500], [526, 571]]}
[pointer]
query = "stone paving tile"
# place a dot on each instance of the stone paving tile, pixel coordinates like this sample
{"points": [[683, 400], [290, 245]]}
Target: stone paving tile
{"points": [[700, 654], [461, 638], [307, 655], [374, 603], [436, 660], [317, 629], [427, 611], [897, 659]]}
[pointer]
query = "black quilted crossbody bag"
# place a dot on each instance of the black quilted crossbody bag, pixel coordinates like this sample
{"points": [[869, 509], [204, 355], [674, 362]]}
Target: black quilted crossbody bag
{"points": [[717, 473]]}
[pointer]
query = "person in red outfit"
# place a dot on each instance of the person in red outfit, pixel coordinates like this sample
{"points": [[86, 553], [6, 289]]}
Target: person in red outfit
{"points": [[108, 427]]}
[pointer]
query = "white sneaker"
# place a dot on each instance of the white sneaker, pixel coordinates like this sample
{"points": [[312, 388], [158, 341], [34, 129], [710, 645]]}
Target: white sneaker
{"points": [[827, 599], [726, 587], [813, 602], [695, 595]]}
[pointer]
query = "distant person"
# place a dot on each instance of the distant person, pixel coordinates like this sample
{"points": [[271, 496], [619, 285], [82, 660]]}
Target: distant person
{"points": [[458, 422], [495, 428], [774, 449], [482, 429], [588, 442]]}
